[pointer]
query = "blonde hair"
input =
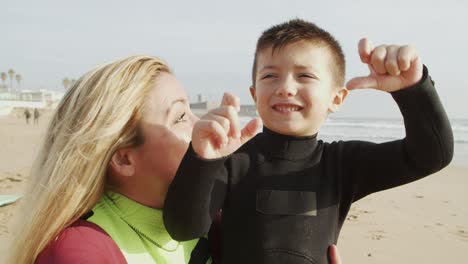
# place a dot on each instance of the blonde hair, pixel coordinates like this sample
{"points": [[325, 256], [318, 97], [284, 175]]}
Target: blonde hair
{"points": [[97, 116]]}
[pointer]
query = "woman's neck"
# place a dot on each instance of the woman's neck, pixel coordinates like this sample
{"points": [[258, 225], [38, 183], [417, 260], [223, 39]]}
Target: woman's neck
{"points": [[144, 195]]}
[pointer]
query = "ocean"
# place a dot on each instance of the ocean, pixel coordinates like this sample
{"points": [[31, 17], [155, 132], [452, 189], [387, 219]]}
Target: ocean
{"points": [[381, 130]]}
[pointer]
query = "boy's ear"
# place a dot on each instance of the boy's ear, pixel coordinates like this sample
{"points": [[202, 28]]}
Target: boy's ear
{"points": [[338, 100], [122, 163], [252, 93]]}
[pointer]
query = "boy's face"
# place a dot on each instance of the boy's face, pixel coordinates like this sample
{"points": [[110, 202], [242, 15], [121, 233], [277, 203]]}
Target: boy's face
{"points": [[294, 88]]}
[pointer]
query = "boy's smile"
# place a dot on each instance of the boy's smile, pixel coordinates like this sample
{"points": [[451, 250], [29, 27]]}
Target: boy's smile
{"points": [[294, 88], [287, 107]]}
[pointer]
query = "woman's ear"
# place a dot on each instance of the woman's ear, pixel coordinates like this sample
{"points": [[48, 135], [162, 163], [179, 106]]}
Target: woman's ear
{"points": [[338, 100], [122, 163]]}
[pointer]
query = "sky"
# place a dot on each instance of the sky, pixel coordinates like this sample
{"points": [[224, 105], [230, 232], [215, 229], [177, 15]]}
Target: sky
{"points": [[210, 44]]}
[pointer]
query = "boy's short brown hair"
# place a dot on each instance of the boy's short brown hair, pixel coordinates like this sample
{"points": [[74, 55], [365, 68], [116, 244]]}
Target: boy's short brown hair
{"points": [[296, 30]]}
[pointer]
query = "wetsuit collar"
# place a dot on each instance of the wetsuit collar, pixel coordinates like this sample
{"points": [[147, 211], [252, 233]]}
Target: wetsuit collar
{"points": [[287, 147]]}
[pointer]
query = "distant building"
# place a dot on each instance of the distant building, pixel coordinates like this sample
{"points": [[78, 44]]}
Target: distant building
{"points": [[248, 110], [27, 99], [202, 106], [200, 98]]}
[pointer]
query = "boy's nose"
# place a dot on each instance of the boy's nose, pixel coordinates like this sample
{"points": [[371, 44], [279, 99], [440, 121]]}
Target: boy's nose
{"points": [[286, 89]]}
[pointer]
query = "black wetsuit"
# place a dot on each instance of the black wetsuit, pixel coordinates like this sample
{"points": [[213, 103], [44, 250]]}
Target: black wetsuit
{"points": [[284, 199]]}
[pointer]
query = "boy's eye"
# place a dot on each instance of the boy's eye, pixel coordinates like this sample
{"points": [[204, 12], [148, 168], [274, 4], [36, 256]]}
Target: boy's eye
{"points": [[307, 75], [181, 118], [268, 76]]}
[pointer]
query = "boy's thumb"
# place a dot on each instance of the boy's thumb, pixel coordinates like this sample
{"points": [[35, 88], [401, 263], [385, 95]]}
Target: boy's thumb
{"points": [[361, 83], [250, 130]]}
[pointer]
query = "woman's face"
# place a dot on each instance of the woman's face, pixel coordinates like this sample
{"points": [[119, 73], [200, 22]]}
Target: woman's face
{"points": [[167, 130]]}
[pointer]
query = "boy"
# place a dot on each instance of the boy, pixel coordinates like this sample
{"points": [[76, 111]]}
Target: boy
{"points": [[284, 194]]}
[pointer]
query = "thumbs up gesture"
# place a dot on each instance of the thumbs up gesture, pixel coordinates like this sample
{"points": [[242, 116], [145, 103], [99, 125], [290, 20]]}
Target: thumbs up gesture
{"points": [[391, 67], [218, 133]]}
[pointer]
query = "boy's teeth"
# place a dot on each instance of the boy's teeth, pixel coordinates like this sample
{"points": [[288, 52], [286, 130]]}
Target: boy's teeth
{"points": [[287, 108]]}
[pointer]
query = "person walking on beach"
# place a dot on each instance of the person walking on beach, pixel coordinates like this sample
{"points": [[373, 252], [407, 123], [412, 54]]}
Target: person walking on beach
{"points": [[27, 115], [36, 116]]}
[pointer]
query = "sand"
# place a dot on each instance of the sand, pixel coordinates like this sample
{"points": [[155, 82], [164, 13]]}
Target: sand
{"points": [[423, 222]]}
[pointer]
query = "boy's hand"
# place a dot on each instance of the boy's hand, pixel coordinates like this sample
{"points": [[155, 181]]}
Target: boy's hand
{"points": [[218, 134], [392, 67]]}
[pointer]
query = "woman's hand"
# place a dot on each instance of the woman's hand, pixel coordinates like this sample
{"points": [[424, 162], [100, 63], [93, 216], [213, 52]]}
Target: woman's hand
{"points": [[334, 256]]}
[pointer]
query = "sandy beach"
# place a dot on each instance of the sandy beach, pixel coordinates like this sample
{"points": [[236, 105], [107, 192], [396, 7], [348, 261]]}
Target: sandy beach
{"points": [[423, 222]]}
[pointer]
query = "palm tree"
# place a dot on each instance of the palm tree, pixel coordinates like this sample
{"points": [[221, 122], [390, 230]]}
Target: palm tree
{"points": [[4, 76], [66, 83], [18, 78], [11, 72]]}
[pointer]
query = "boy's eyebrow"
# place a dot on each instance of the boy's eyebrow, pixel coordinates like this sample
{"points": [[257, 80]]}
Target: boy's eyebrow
{"points": [[268, 67], [296, 66], [304, 67], [308, 68]]}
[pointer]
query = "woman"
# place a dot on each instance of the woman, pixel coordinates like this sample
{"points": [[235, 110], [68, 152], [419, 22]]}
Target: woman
{"points": [[101, 176]]}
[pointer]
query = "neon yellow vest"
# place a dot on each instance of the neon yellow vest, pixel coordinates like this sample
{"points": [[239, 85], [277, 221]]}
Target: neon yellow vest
{"points": [[139, 231]]}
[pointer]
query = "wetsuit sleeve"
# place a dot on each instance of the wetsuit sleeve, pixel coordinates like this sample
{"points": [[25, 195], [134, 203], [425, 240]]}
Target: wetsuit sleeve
{"points": [[195, 196], [427, 147]]}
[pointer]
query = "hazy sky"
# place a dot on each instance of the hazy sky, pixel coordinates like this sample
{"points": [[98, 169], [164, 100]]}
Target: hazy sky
{"points": [[210, 44]]}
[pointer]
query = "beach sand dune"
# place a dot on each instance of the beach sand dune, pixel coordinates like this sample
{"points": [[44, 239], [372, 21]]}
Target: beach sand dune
{"points": [[424, 222]]}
